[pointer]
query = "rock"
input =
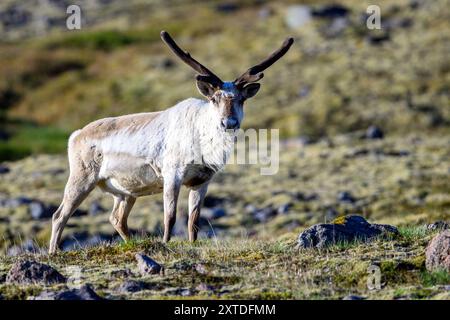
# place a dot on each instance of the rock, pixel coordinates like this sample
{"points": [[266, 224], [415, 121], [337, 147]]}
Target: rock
{"points": [[377, 39], [38, 210], [186, 292], [204, 287], [284, 208], [300, 196], [4, 169], [227, 7], [336, 27], [438, 252], [353, 297], [212, 201], [264, 214], [438, 225], [200, 268], [373, 132], [14, 16], [304, 92], [122, 273], [346, 196], [83, 293], [214, 213], [344, 229], [265, 13], [330, 11], [32, 272], [132, 286], [2, 278], [96, 208], [297, 16], [146, 265]]}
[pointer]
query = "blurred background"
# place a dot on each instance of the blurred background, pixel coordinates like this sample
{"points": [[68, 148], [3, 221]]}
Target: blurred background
{"points": [[363, 114]]}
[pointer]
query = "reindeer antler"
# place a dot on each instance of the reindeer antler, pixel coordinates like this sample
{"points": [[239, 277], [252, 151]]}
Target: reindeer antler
{"points": [[205, 74], [255, 73]]}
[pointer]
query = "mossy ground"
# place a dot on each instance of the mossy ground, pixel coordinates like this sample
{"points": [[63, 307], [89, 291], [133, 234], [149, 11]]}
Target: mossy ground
{"points": [[251, 269]]}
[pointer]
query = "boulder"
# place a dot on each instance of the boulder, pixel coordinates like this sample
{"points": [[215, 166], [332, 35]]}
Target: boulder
{"points": [[438, 225], [83, 293], [438, 252], [213, 213], [344, 229], [32, 272], [4, 169], [146, 265], [132, 286]]}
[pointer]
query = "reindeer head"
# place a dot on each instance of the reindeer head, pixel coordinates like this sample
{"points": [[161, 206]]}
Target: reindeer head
{"points": [[227, 97]]}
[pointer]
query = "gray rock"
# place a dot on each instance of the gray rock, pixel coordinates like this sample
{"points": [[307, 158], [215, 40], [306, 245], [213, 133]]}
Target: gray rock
{"points": [[83, 293], [438, 225], [284, 208], [264, 214], [4, 169], [146, 265], [353, 297], [132, 286], [265, 13], [438, 252], [32, 272], [330, 11], [345, 229], [297, 16], [213, 213], [373, 132], [96, 208], [204, 287], [346, 196]]}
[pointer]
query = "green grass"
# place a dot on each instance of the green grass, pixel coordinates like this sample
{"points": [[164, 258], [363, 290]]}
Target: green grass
{"points": [[247, 269], [31, 139]]}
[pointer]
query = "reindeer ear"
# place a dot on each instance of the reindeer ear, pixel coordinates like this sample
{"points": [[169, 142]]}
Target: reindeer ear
{"points": [[205, 88], [250, 90]]}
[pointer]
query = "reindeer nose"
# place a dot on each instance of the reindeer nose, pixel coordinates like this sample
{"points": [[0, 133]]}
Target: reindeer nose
{"points": [[230, 123]]}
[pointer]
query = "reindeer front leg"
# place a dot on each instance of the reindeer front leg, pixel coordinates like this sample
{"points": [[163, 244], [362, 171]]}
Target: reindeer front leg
{"points": [[196, 197], [171, 191]]}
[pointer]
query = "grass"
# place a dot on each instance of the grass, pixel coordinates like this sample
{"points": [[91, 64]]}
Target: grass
{"points": [[31, 139], [247, 269]]}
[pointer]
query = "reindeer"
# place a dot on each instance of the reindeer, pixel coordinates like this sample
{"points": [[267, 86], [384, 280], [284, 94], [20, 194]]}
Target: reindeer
{"points": [[147, 153]]}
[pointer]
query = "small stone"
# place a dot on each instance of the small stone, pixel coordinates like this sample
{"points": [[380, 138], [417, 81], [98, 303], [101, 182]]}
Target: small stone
{"points": [[4, 169], [283, 209], [213, 213], [265, 13], [438, 252], [132, 286], [200, 268], [186, 292], [438, 225], [204, 287], [353, 297], [265, 214], [146, 265], [123, 273], [96, 208], [84, 293], [374, 132], [346, 196], [32, 272], [331, 11]]}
